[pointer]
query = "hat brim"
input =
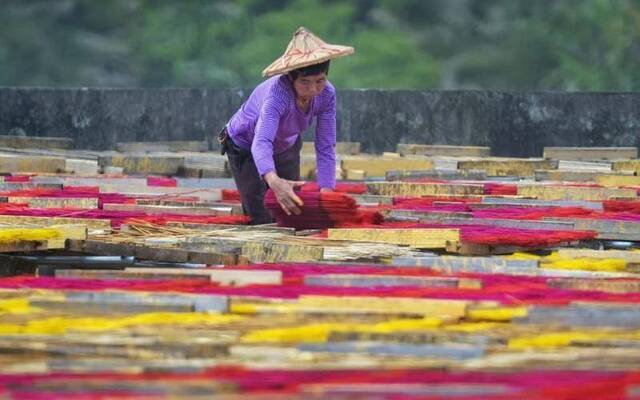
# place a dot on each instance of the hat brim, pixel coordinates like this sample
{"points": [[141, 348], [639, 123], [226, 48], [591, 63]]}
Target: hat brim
{"points": [[289, 62]]}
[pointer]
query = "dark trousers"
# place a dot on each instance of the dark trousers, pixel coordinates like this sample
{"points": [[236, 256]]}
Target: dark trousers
{"points": [[250, 184]]}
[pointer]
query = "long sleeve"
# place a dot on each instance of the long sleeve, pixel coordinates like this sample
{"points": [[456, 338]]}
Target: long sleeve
{"points": [[265, 133], [325, 143]]}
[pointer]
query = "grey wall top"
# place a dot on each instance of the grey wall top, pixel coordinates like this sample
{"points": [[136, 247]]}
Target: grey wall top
{"points": [[514, 124]]}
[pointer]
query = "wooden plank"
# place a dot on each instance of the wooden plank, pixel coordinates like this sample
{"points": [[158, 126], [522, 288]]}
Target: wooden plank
{"points": [[439, 351], [12, 164], [549, 192], [602, 226], [507, 166], [35, 142], [307, 167], [193, 302], [590, 153], [442, 150], [81, 167], [144, 164], [238, 228], [402, 305], [417, 238], [476, 249], [627, 165], [167, 254], [591, 166], [451, 174], [162, 146], [415, 215], [633, 267], [57, 202], [627, 255], [609, 286], [363, 280], [363, 199], [27, 246], [565, 176], [355, 175], [517, 202], [197, 172], [376, 166], [343, 148], [423, 189], [258, 252], [93, 224], [73, 232], [154, 210], [583, 315], [618, 180], [213, 194], [555, 225], [456, 264], [225, 277]]}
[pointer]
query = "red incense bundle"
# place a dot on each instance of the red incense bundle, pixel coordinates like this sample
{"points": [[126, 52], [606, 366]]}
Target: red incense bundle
{"points": [[321, 210]]}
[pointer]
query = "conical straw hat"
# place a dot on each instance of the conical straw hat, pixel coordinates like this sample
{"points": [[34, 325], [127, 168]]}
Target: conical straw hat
{"points": [[303, 50]]}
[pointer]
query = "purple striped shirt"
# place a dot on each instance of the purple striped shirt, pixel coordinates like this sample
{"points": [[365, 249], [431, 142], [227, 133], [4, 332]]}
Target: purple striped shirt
{"points": [[269, 122]]}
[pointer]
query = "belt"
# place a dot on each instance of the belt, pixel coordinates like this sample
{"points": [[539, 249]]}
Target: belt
{"points": [[222, 138]]}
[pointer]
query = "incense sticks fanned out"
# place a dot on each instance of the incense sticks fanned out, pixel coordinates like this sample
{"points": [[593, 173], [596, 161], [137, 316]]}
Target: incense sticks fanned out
{"points": [[321, 210]]}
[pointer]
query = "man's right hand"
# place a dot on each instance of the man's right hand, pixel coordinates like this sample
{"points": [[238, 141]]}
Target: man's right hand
{"points": [[283, 190]]}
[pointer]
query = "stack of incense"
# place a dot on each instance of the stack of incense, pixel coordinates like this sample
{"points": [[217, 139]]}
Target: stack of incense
{"points": [[321, 210]]}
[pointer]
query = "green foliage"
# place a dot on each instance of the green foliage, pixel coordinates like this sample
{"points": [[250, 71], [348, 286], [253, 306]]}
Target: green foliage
{"points": [[400, 44]]}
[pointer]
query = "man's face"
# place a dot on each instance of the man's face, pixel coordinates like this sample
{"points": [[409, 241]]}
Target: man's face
{"points": [[310, 86]]}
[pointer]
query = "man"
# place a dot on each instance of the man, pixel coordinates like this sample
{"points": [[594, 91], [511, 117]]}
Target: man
{"points": [[263, 138]]}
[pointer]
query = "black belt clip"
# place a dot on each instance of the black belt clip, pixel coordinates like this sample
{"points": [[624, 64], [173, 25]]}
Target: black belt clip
{"points": [[222, 139]]}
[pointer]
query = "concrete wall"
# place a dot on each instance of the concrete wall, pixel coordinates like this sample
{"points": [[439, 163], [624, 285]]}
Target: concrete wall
{"points": [[517, 124]]}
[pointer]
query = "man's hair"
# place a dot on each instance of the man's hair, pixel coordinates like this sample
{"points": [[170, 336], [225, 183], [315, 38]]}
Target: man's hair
{"points": [[314, 69]]}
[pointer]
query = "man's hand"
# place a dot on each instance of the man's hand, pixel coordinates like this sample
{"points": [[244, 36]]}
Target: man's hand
{"points": [[283, 190]]}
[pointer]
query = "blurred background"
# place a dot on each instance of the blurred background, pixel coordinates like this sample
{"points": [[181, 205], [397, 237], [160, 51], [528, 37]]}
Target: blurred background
{"points": [[574, 45]]}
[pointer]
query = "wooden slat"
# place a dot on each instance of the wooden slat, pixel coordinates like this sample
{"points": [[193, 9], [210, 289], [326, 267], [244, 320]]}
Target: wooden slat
{"points": [[628, 255], [618, 180], [627, 165], [57, 202], [442, 150], [423, 189], [476, 249], [555, 225], [94, 224], [436, 174], [609, 286], [362, 280], [378, 166], [159, 253], [81, 167], [590, 153], [144, 164], [418, 238], [520, 202], [415, 215], [151, 209], [507, 166], [239, 228], [226, 277], [258, 252], [11, 164], [162, 146], [603, 225], [549, 192], [411, 306], [35, 142]]}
